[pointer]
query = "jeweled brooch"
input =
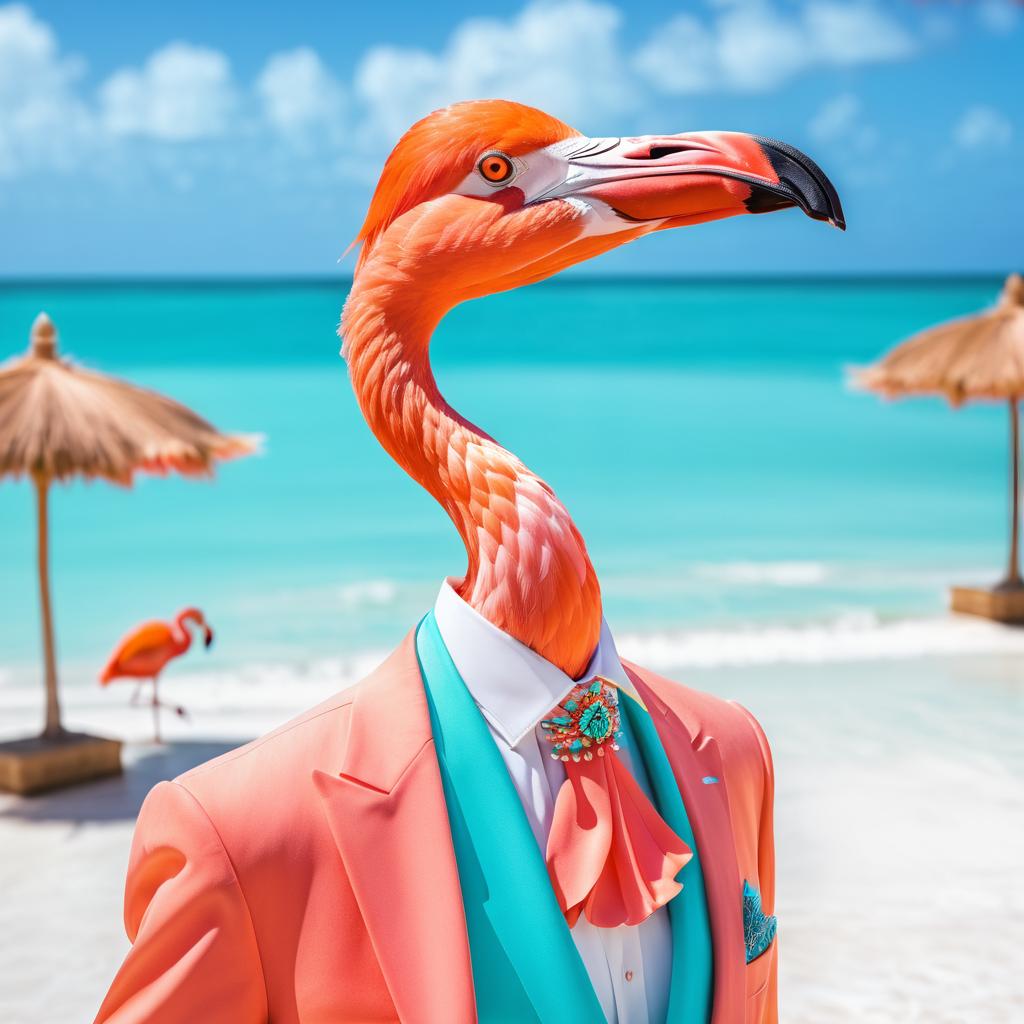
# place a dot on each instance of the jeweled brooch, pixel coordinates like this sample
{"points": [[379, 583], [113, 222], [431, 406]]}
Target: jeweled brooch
{"points": [[586, 720]]}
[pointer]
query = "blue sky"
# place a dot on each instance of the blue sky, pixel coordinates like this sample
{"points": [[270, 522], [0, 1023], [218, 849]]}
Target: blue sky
{"points": [[231, 138]]}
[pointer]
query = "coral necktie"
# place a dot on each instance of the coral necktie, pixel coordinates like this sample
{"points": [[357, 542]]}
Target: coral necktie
{"points": [[610, 855]]}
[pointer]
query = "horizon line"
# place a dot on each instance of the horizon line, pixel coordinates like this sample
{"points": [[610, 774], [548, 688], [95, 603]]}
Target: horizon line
{"points": [[229, 279]]}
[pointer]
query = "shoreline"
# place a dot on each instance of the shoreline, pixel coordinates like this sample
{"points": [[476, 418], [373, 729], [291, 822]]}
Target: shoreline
{"points": [[236, 698]]}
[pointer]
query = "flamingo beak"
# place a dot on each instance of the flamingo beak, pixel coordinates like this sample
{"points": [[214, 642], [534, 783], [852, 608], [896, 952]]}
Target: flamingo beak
{"points": [[207, 637], [676, 180]]}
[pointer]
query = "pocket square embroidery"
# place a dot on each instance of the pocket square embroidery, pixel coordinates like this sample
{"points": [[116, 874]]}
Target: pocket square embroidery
{"points": [[758, 927]]}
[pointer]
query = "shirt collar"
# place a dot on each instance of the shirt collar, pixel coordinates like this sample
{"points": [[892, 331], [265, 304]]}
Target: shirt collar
{"points": [[513, 686]]}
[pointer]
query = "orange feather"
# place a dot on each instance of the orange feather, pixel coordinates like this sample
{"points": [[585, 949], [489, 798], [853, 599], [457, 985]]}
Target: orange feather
{"points": [[437, 152], [426, 250], [143, 640]]}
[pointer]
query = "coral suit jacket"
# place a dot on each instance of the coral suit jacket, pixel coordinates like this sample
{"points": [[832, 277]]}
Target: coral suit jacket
{"points": [[310, 875]]}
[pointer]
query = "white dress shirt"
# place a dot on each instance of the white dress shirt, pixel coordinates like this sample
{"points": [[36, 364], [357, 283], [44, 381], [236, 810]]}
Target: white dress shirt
{"points": [[514, 688]]}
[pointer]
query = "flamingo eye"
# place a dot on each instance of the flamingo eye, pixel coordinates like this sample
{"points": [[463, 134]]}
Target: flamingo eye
{"points": [[496, 168]]}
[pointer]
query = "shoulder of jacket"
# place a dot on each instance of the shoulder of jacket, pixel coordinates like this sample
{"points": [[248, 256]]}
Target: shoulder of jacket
{"points": [[737, 731]]}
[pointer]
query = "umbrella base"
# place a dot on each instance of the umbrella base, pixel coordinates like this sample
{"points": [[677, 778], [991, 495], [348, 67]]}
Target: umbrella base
{"points": [[35, 764], [1000, 603]]}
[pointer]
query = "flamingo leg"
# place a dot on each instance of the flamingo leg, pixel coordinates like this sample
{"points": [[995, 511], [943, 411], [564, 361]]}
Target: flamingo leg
{"points": [[156, 713], [136, 692]]}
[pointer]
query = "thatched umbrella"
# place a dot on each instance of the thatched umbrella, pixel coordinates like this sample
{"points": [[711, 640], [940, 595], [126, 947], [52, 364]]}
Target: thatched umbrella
{"points": [[976, 357], [58, 420]]}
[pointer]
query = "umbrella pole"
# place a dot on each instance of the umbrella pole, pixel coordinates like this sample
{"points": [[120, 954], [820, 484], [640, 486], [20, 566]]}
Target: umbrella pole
{"points": [[1013, 571], [53, 728]]}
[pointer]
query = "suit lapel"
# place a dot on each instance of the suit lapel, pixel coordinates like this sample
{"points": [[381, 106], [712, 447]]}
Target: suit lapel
{"points": [[694, 757], [386, 811], [524, 959], [692, 984]]}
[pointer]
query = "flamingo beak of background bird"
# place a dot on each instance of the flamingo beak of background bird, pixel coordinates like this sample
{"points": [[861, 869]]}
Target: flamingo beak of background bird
{"points": [[207, 636], [675, 180]]}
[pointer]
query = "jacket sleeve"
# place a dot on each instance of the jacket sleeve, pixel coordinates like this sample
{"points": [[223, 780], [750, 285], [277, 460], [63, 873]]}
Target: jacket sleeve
{"points": [[194, 955], [766, 866]]}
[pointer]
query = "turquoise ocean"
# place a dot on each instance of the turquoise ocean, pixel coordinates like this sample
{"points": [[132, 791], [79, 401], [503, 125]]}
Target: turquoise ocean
{"points": [[739, 499]]}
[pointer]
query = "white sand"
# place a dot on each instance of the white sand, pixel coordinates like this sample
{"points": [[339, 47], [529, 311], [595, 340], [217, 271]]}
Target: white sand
{"points": [[900, 831]]}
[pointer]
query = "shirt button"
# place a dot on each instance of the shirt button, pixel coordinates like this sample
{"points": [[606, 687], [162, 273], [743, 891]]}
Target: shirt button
{"points": [[629, 975]]}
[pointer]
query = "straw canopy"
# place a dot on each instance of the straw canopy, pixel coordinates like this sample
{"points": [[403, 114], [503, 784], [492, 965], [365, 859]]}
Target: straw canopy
{"points": [[58, 420], [977, 357]]}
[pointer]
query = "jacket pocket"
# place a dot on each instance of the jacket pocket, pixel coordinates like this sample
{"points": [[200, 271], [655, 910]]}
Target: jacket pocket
{"points": [[758, 977]]}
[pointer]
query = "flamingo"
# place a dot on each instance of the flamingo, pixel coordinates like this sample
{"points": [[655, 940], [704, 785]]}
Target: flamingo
{"points": [[144, 652], [482, 197]]}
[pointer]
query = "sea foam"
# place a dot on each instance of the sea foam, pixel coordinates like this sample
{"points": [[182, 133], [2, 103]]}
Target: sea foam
{"points": [[246, 699], [853, 636]]}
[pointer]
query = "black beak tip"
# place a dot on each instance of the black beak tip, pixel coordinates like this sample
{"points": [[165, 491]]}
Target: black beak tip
{"points": [[208, 641], [804, 182]]}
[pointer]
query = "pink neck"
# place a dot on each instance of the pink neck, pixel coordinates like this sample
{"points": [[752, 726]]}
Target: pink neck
{"points": [[528, 570], [184, 636]]}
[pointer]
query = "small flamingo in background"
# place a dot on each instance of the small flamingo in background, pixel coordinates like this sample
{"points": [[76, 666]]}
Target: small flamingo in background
{"points": [[144, 652]]}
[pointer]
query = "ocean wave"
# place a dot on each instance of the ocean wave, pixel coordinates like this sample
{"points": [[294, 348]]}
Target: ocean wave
{"points": [[232, 703], [853, 636], [248, 699], [776, 574], [341, 597], [856, 635], [751, 575]]}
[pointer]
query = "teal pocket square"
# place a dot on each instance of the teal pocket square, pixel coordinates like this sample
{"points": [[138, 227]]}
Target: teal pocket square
{"points": [[758, 927]]}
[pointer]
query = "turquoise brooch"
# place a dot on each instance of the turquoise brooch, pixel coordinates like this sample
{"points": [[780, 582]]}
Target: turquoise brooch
{"points": [[586, 720]]}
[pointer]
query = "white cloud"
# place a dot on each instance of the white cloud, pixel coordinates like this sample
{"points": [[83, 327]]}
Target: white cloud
{"points": [[29, 61], [842, 121], [983, 127], [42, 122], [835, 118], [681, 57], [758, 48], [849, 140], [564, 56], [183, 92], [754, 46], [847, 34], [999, 16], [300, 96], [568, 56]]}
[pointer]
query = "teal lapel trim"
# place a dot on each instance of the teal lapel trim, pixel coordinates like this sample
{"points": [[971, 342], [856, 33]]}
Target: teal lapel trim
{"points": [[692, 963], [525, 963]]}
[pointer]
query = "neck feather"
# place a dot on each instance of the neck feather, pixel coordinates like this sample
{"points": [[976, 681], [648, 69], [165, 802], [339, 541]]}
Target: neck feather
{"points": [[528, 570]]}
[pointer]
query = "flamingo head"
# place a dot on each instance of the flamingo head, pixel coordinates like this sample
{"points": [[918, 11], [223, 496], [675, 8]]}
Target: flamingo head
{"points": [[196, 616], [487, 195]]}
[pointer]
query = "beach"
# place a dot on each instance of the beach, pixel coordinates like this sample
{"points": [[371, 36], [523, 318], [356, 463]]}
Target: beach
{"points": [[900, 797], [760, 531]]}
